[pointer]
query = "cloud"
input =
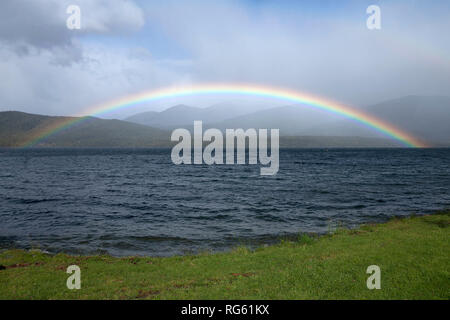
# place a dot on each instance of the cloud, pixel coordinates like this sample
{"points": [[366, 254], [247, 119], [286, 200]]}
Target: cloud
{"points": [[37, 85], [106, 16], [129, 46], [330, 54], [47, 69], [42, 23]]}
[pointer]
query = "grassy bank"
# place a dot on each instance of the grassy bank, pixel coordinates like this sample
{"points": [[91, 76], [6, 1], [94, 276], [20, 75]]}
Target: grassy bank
{"points": [[413, 254]]}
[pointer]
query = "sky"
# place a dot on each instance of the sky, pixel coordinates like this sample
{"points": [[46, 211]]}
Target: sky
{"points": [[323, 48]]}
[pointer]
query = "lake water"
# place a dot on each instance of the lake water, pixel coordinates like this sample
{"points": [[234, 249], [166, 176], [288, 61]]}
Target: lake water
{"points": [[128, 201]]}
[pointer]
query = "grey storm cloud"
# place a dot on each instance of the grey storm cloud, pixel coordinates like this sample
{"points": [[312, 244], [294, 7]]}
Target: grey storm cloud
{"points": [[41, 23], [47, 69], [29, 23]]}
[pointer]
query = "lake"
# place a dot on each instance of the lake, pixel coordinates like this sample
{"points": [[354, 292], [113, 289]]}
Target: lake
{"points": [[137, 202]]}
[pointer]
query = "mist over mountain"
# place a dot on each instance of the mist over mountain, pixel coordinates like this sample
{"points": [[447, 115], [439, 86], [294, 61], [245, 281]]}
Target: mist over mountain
{"points": [[19, 128], [176, 115], [426, 117], [182, 115], [291, 120]]}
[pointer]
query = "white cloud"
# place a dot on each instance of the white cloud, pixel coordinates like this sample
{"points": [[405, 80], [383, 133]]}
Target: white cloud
{"points": [[36, 85], [110, 15]]}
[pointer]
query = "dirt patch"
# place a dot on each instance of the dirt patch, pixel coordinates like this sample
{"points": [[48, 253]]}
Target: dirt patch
{"points": [[249, 274], [147, 293], [23, 265]]}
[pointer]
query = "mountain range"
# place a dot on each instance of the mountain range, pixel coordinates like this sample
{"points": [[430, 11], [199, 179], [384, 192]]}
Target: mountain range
{"points": [[427, 117], [181, 115], [19, 128], [300, 126]]}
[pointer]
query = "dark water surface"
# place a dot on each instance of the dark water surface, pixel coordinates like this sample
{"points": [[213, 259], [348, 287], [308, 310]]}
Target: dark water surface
{"points": [[125, 201]]}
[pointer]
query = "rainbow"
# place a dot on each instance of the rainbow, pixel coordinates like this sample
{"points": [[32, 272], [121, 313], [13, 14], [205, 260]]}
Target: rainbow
{"points": [[237, 89]]}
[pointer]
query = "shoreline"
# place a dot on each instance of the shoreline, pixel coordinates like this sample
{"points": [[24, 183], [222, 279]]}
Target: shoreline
{"points": [[412, 253], [248, 243]]}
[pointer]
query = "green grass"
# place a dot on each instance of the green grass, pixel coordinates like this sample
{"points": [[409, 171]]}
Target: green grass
{"points": [[413, 254]]}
